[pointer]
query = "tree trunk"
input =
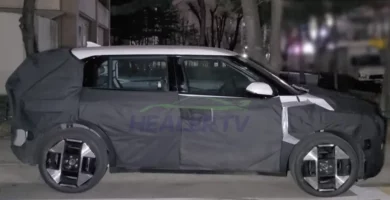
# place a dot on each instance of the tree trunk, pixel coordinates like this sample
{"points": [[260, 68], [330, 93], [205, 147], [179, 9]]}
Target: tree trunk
{"points": [[28, 28], [233, 43], [277, 14], [212, 14], [252, 29], [221, 23], [202, 14]]}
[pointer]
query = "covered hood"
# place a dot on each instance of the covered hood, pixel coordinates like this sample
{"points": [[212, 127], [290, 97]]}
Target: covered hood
{"points": [[342, 102]]}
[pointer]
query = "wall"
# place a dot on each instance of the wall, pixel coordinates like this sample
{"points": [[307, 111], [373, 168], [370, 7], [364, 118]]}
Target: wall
{"points": [[88, 7], [40, 4], [103, 15], [83, 31], [100, 36], [68, 28], [47, 33], [11, 48]]}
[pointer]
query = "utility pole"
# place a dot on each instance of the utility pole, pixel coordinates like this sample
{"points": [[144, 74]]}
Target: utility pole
{"points": [[385, 94]]}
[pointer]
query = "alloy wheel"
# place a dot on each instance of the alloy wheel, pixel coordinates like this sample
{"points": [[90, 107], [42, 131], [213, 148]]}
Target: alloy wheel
{"points": [[71, 163], [326, 167]]}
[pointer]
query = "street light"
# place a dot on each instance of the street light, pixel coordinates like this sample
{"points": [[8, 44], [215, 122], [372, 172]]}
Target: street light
{"points": [[313, 27], [308, 48], [329, 19], [323, 32]]}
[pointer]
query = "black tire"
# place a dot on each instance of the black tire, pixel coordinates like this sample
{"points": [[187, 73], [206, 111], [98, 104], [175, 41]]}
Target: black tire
{"points": [[97, 146], [305, 146]]}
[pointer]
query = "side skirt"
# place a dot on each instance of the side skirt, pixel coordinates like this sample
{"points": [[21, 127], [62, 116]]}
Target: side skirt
{"points": [[192, 171]]}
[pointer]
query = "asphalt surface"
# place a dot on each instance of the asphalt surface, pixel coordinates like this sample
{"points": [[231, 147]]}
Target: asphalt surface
{"points": [[18, 181]]}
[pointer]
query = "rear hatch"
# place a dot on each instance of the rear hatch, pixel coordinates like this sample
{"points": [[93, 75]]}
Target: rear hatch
{"points": [[44, 90]]}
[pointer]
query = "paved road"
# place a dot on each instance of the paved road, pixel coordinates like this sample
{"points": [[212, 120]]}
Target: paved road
{"points": [[19, 181]]}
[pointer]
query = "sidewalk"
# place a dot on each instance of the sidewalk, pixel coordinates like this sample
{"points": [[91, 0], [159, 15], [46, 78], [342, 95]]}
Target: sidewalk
{"points": [[6, 155]]}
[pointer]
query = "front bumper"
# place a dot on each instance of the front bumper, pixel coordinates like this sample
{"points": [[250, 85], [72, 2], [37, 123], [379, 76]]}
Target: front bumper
{"points": [[374, 160], [374, 151]]}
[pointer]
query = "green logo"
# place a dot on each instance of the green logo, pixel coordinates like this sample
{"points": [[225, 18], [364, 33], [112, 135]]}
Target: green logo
{"points": [[223, 105]]}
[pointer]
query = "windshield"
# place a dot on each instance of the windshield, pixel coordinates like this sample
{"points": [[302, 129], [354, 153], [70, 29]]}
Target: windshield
{"points": [[260, 67], [366, 60]]}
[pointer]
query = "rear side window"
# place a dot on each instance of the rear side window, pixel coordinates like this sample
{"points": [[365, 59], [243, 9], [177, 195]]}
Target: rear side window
{"points": [[127, 73], [132, 73]]}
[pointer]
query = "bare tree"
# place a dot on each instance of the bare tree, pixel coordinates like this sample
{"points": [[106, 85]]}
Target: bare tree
{"points": [[200, 13], [252, 27], [238, 16], [27, 27], [234, 40], [276, 22], [221, 26], [213, 19]]}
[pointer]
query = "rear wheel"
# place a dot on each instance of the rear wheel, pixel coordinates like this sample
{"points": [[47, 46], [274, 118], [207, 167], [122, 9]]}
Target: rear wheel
{"points": [[324, 165], [73, 160]]}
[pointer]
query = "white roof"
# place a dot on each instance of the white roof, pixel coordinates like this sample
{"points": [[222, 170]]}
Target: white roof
{"points": [[86, 52]]}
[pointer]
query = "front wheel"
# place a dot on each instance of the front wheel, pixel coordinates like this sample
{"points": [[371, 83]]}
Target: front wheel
{"points": [[72, 161], [324, 165]]}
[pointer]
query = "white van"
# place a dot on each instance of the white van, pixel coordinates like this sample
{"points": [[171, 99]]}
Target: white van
{"points": [[363, 61]]}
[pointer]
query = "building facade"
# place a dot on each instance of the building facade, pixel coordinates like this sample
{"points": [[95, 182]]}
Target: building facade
{"points": [[58, 23]]}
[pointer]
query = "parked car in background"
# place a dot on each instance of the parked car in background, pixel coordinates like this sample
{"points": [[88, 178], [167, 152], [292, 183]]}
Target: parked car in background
{"points": [[78, 112], [360, 60]]}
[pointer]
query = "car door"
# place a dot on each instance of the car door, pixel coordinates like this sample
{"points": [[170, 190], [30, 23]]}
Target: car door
{"points": [[128, 101], [223, 126]]}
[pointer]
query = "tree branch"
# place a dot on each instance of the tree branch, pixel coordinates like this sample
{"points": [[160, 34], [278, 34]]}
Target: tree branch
{"points": [[194, 10]]}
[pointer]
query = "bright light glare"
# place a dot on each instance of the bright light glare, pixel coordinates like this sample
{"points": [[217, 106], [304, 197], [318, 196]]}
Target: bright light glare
{"points": [[324, 32], [331, 46], [308, 48], [244, 55], [313, 27], [329, 19], [313, 34], [296, 49]]}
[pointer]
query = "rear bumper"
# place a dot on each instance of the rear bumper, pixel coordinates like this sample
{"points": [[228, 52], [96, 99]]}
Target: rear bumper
{"points": [[22, 147]]}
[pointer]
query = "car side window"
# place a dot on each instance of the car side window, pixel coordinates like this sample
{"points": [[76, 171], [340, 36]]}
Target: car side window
{"points": [[96, 72], [127, 73], [213, 76], [141, 74]]}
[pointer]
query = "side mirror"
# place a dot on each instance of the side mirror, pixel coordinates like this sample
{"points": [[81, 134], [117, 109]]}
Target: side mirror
{"points": [[260, 88]]}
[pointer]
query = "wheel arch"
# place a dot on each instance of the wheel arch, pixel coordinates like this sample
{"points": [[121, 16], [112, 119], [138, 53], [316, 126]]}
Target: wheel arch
{"points": [[354, 144]]}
